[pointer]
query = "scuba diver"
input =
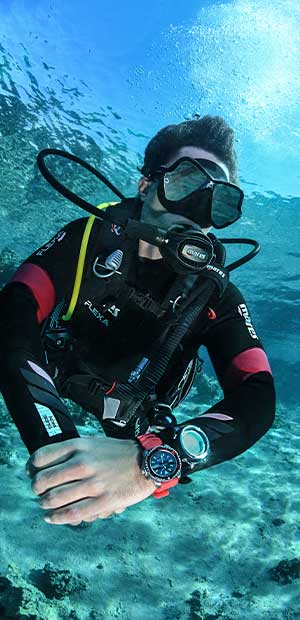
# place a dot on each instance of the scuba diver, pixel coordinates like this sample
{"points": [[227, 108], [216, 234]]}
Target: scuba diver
{"points": [[111, 313]]}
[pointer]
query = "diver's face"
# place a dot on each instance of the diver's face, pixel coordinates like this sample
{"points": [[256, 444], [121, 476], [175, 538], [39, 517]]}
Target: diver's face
{"points": [[148, 191]]}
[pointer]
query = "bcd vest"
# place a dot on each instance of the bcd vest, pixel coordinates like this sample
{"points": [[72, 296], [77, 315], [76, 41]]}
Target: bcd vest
{"points": [[106, 297]]}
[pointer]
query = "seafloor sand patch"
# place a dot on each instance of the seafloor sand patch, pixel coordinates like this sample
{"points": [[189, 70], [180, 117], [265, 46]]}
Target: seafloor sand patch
{"points": [[205, 552]]}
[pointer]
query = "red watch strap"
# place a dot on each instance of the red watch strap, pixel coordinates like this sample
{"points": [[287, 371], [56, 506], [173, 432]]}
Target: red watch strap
{"points": [[162, 490], [149, 441]]}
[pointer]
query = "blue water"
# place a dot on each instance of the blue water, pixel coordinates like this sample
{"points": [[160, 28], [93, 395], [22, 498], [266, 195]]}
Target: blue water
{"points": [[99, 78]]}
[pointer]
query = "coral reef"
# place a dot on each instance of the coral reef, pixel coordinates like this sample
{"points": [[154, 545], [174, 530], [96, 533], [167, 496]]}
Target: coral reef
{"points": [[32, 599], [286, 571]]}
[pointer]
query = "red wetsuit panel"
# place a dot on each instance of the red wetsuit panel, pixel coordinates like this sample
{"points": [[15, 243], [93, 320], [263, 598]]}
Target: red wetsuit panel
{"points": [[243, 365], [40, 285]]}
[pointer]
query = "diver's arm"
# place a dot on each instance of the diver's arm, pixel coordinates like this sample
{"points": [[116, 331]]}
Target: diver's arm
{"points": [[247, 410], [29, 392], [239, 420]]}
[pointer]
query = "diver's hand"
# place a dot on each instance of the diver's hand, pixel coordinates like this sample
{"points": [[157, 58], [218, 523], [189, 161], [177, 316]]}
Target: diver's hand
{"points": [[87, 478]]}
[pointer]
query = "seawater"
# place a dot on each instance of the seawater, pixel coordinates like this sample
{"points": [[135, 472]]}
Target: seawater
{"points": [[99, 80]]}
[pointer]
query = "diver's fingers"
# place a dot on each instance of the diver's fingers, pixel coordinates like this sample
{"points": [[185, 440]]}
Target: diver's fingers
{"points": [[104, 515], [53, 454]]}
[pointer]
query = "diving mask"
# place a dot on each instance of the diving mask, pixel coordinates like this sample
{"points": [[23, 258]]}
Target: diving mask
{"points": [[198, 189]]}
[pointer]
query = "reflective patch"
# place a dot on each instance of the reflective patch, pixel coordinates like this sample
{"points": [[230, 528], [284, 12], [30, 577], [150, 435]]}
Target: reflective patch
{"points": [[217, 416], [49, 420], [111, 408], [40, 371]]}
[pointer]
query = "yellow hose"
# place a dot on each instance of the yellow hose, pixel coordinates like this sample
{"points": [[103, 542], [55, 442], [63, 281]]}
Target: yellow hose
{"points": [[81, 260]]}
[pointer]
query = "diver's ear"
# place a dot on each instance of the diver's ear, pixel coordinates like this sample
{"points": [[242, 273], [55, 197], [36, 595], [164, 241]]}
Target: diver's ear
{"points": [[143, 186]]}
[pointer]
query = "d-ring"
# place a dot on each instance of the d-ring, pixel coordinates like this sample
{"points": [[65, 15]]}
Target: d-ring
{"points": [[175, 302]]}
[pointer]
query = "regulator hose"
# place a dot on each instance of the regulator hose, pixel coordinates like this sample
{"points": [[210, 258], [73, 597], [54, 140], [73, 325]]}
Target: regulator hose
{"points": [[163, 352]]}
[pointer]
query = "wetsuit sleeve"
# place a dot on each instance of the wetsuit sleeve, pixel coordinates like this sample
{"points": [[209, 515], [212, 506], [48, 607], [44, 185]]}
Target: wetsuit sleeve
{"points": [[29, 392], [50, 271], [247, 410]]}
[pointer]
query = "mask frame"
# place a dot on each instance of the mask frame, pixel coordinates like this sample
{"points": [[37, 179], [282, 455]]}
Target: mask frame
{"points": [[189, 206]]}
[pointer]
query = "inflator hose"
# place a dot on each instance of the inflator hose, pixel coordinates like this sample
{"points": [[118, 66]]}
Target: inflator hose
{"points": [[164, 351]]}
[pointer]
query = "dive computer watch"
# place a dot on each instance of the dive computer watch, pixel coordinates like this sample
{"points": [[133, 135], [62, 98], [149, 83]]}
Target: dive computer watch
{"points": [[160, 463]]}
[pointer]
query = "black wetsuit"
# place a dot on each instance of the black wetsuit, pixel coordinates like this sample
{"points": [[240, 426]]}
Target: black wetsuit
{"points": [[111, 343]]}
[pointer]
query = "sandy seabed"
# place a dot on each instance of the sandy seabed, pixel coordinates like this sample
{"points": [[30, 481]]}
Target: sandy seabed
{"points": [[224, 547]]}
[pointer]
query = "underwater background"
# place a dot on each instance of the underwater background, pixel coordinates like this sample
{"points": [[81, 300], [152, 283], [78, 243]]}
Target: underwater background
{"points": [[99, 79]]}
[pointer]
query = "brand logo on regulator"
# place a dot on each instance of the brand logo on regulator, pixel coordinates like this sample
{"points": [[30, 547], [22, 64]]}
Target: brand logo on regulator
{"points": [[192, 251]]}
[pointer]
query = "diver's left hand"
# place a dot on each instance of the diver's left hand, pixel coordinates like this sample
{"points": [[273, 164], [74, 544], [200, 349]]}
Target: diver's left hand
{"points": [[87, 478]]}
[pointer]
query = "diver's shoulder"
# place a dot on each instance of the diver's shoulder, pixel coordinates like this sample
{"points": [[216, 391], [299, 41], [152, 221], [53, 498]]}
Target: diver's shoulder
{"points": [[232, 296], [79, 225]]}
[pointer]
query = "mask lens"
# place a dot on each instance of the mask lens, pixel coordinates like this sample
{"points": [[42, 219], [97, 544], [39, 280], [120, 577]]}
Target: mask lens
{"points": [[225, 205], [183, 181]]}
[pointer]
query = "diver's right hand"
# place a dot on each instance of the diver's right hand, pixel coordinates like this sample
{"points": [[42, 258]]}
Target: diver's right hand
{"points": [[86, 478]]}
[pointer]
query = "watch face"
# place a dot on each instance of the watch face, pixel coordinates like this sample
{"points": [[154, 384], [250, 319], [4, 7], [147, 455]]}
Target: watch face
{"points": [[163, 464]]}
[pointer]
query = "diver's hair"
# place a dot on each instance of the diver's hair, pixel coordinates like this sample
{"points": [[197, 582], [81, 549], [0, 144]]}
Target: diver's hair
{"points": [[210, 133]]}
